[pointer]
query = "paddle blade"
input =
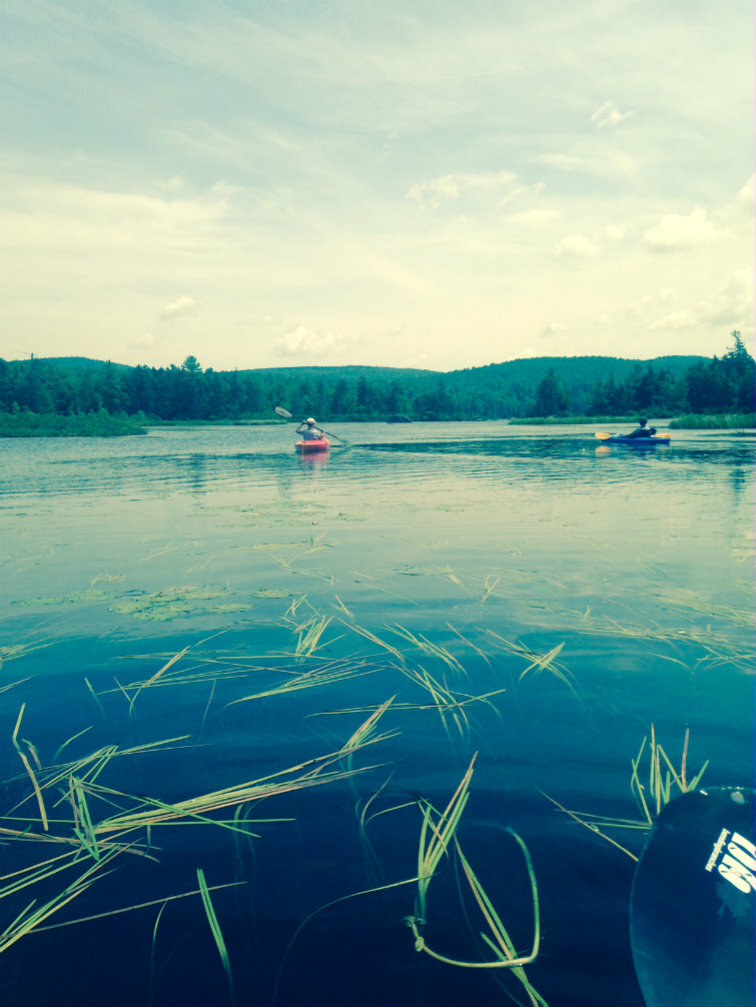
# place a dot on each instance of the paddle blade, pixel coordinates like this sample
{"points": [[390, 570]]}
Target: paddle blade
{"points": [[604, 437], [283, 412], [692, 904]]}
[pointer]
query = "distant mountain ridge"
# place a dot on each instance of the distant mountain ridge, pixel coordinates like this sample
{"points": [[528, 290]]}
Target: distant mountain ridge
{"points": [[529, 387], [530, 368], [515, 380]]}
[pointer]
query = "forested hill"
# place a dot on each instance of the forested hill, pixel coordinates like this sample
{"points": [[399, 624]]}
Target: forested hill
{"points": [[498, 390], [537, 386], [518, 380]]}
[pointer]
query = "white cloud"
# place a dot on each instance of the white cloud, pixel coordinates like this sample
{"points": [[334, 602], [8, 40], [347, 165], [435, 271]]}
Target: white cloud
{"points": [[675, 320], [146, 341], [541, 216], [303, 342], [609, 115], [746, 198], [518, 191], [563, 162], [576, 246], [678, 231], [107, 202], [615, 232], [731, 303], [182, 307], [554, 329], [434, 192], [451, 187], [45, 215]]}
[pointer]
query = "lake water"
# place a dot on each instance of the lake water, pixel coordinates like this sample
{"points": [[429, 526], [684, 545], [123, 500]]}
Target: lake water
{"points": [[526, 594]]}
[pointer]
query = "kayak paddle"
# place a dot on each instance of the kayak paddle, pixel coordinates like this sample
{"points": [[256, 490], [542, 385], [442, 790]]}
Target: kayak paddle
{"points": [[285, 414], [692, 903]]}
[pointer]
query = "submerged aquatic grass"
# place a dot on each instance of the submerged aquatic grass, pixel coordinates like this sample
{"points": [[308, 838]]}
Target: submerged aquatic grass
{"points": [[103, 822], [438, 841], [662, 776], [29, 770], [33, 915], [537, 663], [664, 782], [216, 931]]}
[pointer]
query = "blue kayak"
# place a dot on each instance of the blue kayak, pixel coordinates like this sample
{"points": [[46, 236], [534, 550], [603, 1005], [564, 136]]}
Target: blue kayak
{"points": [[635, 442]]}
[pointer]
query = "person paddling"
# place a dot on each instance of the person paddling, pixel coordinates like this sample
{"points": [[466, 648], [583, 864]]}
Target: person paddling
{"points": [[642, 430], [309, 430]]}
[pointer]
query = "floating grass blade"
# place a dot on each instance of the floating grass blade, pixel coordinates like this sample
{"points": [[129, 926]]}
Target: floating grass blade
{"points": [[83, 827], [662, 776], [153, 948], [328, 674], [313, 773], [589, 822], [492, 917], [156, 676], [67, 743], [342, 607], [537, 663], [378, 641], [365, 730], [30, 918], [660, 782], [636, 788], [142, 905], [437, 834], [488, 587], [29, 770], [12, 685], [443, 699], [215, 929], [37, 872], [469, 643], [309, 635], [427, 647]]}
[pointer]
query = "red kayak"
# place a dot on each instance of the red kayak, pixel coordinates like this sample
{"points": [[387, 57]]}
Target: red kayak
{"points": [[321, 444]]}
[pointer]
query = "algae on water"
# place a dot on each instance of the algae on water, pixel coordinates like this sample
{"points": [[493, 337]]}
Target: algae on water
{"points": [[161, 606]]}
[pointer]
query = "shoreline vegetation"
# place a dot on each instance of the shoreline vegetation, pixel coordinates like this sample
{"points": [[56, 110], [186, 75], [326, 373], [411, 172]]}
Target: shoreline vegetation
{"points": [[99, 424], [79, 397], [690, 421], [102, 424]]}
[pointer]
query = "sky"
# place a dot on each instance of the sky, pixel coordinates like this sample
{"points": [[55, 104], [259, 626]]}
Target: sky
{"points": [[407, 183]]}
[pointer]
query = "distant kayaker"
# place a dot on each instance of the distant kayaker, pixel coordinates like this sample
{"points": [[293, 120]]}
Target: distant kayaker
{"points": [[309, 430], [642, 430]]}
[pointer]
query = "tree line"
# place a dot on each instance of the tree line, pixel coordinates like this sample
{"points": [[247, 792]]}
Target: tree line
{"points": [[189, 392]]}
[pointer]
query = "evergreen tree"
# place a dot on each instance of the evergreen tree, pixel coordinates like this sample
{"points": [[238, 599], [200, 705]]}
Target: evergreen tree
{"points": [[551, 398]]}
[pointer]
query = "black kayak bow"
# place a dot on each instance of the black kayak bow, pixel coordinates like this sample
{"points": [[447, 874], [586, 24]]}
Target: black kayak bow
{"points": [[692, 903]]}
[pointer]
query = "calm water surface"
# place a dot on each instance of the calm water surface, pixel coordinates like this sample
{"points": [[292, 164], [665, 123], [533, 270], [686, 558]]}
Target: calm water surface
{"points": [[528, 595]]}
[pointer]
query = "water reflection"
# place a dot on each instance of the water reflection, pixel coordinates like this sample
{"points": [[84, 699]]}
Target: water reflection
{"points": [[208, 459], [314, 461], [552, 447]]}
